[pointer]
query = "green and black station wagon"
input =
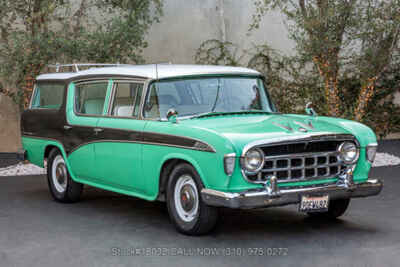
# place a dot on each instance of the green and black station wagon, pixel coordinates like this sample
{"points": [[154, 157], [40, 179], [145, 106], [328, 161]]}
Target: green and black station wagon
{"points": [[197, 137]]}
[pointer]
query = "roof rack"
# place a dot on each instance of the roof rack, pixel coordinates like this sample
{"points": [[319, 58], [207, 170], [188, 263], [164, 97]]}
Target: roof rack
{"points": [[75, 67]]}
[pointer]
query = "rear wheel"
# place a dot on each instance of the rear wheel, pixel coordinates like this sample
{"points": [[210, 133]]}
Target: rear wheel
{"points": [[61, 186], [187, 211], [336, 209]]}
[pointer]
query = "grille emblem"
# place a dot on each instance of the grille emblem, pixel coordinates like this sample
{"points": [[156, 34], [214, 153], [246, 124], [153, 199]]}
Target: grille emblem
{"points": [[304, 130]]}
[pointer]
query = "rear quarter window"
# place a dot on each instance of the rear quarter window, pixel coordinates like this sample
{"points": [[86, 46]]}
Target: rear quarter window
{"points": [[48, 96]]}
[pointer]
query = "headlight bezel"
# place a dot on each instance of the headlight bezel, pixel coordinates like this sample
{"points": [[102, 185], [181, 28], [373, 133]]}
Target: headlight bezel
{"points": [[373, 147], [342, 149], [244, 161]]}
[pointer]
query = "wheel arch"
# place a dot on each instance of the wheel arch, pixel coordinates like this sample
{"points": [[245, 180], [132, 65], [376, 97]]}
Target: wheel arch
{"points": [[168, 163], [50, 146]]}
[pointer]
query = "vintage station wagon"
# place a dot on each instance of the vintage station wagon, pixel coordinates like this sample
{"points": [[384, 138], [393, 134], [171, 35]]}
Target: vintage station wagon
{"points": [[196, 137]]}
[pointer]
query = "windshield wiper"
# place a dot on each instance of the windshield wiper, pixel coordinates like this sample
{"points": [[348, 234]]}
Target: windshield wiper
{"points": [[215, 113]]}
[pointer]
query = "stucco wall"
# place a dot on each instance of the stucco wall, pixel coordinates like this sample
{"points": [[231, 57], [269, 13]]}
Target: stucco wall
{"points": [[188, 23], [184, 26]]}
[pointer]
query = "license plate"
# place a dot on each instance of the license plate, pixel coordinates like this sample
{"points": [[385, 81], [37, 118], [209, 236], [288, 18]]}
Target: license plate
{"points": [[314, 203]]}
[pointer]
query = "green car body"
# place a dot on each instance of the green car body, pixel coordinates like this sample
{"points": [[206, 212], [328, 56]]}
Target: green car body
{"points": [[223, 134], [134, 155]]}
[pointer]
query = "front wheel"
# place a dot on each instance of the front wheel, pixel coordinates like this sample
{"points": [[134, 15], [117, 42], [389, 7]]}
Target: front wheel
{"points": [[61, 186], [336, 209], [187, 211]]}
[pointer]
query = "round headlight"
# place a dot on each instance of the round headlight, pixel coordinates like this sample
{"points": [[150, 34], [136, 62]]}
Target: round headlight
{"points": [[348, 152], [253, 160]]}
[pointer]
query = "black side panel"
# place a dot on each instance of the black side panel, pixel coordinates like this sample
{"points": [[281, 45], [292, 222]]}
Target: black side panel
{"points": [[52, 124], [45, 123]]}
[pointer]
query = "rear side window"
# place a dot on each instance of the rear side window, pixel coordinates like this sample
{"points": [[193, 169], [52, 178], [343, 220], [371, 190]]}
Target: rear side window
{"points": [[90, 98], [48, 95]]}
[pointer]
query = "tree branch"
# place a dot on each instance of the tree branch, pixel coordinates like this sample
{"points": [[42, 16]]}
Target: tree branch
{"points": [[78, 15]]}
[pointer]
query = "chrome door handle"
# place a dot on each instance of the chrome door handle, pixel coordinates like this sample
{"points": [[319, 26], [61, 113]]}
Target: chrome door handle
{"points": [[98, 130], [67, 127]]}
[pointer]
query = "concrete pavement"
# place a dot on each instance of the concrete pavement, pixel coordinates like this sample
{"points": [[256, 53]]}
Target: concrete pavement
{"points": [[105, 228]]}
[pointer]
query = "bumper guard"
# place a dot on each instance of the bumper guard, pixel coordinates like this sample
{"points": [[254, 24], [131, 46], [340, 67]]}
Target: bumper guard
{"points": [[272, 196]]}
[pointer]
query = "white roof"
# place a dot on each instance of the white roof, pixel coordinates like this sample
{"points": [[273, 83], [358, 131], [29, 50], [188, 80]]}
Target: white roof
{"points": [[149, 71]]}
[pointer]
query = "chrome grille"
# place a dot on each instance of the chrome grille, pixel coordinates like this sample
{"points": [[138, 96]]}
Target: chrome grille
{"points": [[301, 161], [302, 166]]}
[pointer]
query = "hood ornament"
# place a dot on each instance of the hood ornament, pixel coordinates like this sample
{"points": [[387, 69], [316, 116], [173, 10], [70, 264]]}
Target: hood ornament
{"points": [[286, 127], [310, 110]]}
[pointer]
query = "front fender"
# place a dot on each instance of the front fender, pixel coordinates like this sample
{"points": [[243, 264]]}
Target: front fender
{"points": [[364, 134], [181, 156], [208, 165]]}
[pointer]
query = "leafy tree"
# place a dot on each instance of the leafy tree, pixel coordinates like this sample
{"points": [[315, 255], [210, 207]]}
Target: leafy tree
{"points": [[35, 33], [215, 52], [292, 83], [339, 37]]}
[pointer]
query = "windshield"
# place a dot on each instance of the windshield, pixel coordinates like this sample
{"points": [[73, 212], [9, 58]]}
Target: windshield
{"points": [[191, 97]]}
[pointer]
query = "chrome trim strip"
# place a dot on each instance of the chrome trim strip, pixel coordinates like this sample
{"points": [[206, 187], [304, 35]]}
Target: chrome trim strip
{"points": [[135, 142], [300, 155], [372, 144], [111, 100], [33, 95], [309, 125], [286, 127], [324, 136]]}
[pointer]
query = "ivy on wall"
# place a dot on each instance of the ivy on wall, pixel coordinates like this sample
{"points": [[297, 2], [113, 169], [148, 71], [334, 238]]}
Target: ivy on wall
{"points": [[292, 83], [35, 33], [346, 58]]}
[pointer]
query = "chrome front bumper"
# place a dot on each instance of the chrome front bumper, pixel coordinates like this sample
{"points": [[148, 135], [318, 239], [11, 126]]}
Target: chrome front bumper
{"points": [[271, 196]]}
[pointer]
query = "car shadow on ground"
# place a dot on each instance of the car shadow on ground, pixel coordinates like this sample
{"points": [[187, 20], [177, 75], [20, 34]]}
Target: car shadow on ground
{"points": [[110, 209]]}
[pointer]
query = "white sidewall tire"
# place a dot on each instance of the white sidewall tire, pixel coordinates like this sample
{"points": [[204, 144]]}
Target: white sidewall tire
{"points": [[63, 190], [56, 165]]}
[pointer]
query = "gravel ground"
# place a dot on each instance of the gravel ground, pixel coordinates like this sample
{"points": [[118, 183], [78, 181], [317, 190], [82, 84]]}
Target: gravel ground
{"points": [[22, 169], [385, 159]]}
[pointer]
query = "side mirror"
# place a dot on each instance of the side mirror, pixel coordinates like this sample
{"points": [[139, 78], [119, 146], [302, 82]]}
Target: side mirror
{"points": [[172, 115], [310, 110]]}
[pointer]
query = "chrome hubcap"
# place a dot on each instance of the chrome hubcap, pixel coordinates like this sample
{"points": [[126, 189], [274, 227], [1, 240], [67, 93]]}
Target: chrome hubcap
{"points": [[59, 174], [186, 198]]}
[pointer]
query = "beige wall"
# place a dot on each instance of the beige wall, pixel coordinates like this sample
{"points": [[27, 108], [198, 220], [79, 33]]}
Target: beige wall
{"points": [[184, 26], [9, 125], [188, 23]]}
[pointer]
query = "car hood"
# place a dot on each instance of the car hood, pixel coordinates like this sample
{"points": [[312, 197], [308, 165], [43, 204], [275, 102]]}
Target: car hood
{"points": [[246, 128]]}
